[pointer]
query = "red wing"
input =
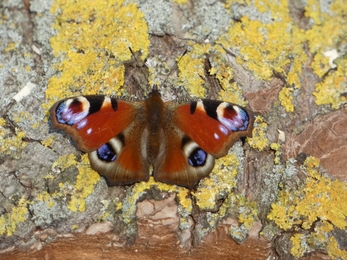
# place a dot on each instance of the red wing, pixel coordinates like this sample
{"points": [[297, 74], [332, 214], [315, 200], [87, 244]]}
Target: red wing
{"points": [[196, 134], [92, 120], [120, 160], [183, 162], [105, 128], [213, 125]]}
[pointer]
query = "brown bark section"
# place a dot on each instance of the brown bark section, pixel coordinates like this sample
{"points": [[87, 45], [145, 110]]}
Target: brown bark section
{"points": [[325, 137], [104, 246]]}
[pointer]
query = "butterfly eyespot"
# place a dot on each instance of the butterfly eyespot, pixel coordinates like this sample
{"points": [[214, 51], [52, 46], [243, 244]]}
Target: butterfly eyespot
{"points": [[106, 153], [109, 152], [233, 117], [197, 158], [71, 111]]}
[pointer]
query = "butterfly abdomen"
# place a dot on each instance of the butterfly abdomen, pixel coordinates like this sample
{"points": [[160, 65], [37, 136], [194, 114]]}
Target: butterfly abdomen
{"points": [[154, 133]]}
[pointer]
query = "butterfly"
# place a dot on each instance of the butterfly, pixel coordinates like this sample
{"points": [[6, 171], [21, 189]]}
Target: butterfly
{"points": [[125, 138]]}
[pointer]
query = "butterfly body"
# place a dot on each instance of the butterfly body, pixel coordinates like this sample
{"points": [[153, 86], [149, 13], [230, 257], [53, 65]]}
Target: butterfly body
{"points": [[123, 138]]}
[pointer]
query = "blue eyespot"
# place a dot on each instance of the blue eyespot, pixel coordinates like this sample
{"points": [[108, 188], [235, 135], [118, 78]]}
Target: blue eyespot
{"points": [[106, 153], [197, 158], [71, 111]]}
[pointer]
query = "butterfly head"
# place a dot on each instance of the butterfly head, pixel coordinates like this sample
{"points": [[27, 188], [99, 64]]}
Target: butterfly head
{"points": [[154, 92]]}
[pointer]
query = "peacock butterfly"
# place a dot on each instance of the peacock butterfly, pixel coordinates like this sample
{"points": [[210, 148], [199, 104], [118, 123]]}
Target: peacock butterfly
{"points": [[123, 138]]}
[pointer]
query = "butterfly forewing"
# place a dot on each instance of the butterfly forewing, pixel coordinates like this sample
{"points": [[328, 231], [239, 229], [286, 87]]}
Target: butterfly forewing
{"points": [[92, 121]]}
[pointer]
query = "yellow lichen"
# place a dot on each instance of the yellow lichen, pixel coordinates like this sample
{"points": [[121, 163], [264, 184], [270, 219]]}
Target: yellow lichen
{"points": [[285, 97], [332, 89], [236, 205], [230, 91], [105, 216], [36, 125], [297, 250], [11, 144], [88, 34], [320, 198], [77, 203], [320, 64], [277, 148], [278, 46], [221, 180], [326, 34], [183, 197], [46, 197], [264, 48], [65, 161], [11, 47], [180, 2], [74, 227], [193, 84], [192, 73], [86, 180], [48, 141], [192, 70], [328, 28], [334, 251], [9, 221], [119, 205], [220, 183], [320, 238], [248, 212], [2, 122], [259, 140]]}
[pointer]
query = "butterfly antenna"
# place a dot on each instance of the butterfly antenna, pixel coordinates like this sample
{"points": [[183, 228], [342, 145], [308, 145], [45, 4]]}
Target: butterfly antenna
{"points": [[138, 64], [173, 68]]}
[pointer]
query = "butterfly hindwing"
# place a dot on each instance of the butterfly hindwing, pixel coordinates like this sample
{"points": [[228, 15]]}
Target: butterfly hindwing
{"points": [[121, 160], [183, 162]]}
